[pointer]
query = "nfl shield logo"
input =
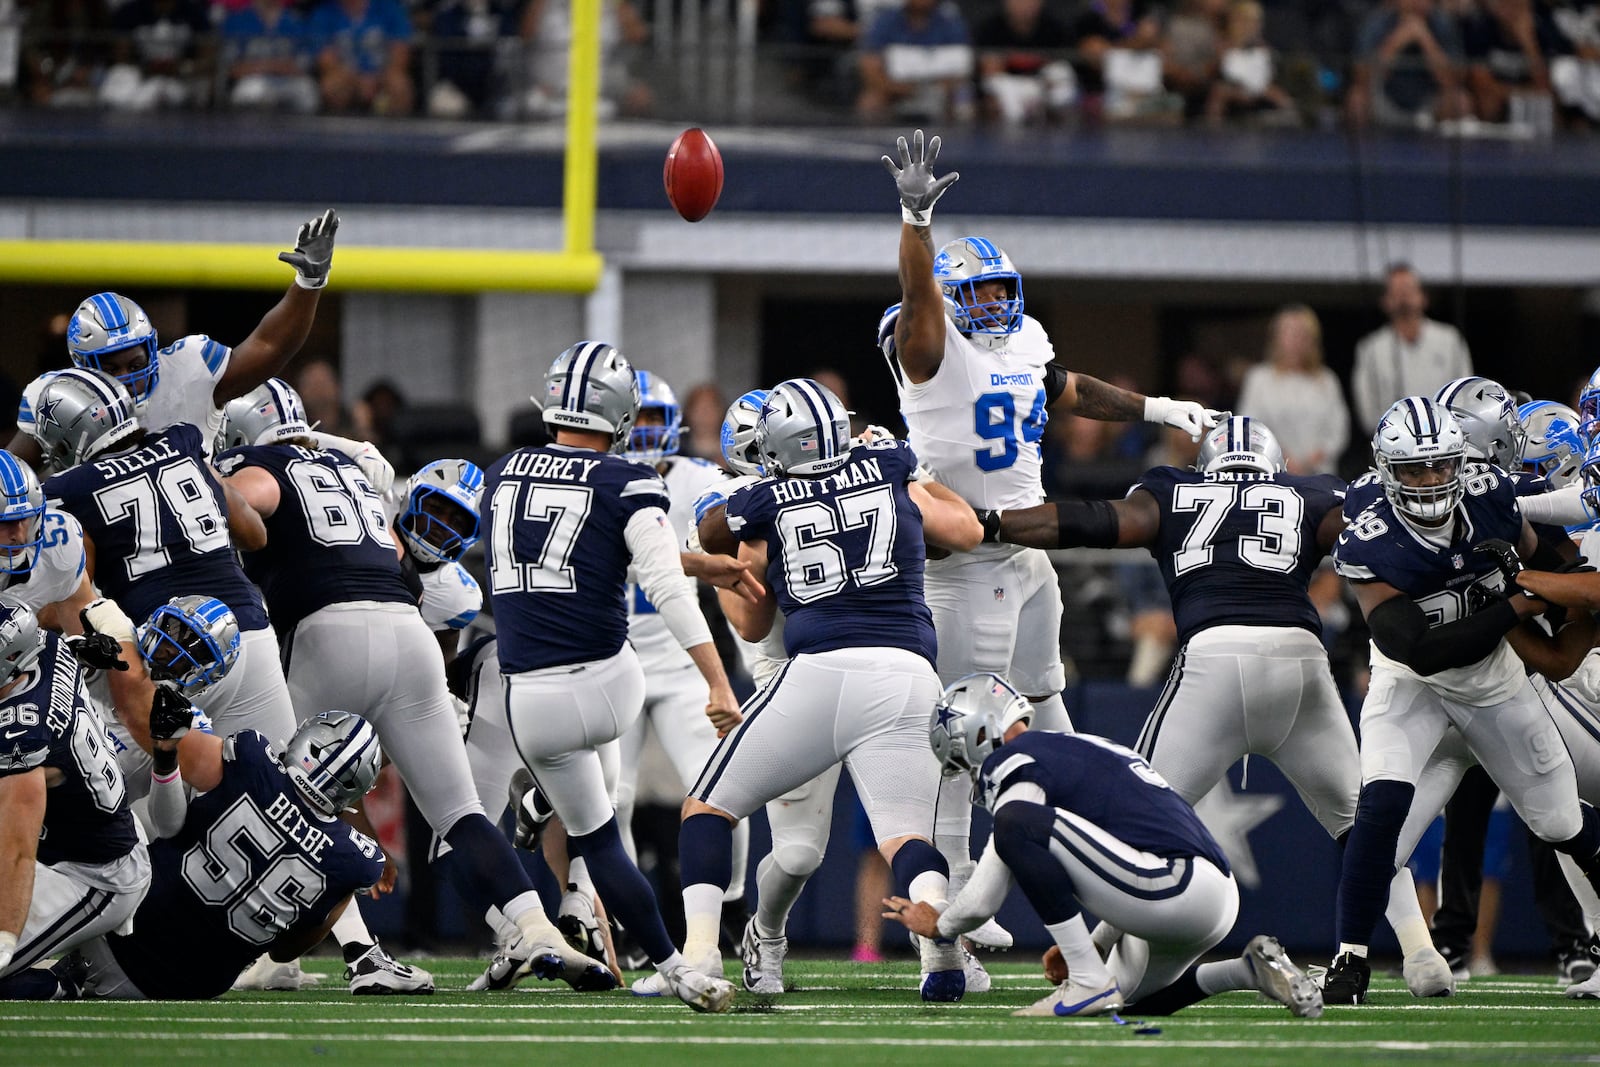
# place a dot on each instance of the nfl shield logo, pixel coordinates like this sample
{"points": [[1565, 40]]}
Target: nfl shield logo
{"points": [[999, 594], [1459, 562]]}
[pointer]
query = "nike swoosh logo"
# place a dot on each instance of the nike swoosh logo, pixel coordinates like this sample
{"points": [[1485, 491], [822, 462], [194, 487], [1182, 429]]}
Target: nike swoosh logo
{"points": [[14, 733], [1073, 1009]]}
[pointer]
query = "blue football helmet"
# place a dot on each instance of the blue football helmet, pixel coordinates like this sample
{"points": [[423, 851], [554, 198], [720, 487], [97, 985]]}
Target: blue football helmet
{"points": [[654, 442], [962, 266], [1589, 406], [108, 323], [21, 500], [190, 642], [739, 433], [804, 430], [1552, 447], [1590, 472], [433, 537]]}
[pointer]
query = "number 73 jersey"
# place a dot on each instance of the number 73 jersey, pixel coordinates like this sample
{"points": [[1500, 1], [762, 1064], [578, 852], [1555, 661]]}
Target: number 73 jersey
{"points": [[1238, 548]]}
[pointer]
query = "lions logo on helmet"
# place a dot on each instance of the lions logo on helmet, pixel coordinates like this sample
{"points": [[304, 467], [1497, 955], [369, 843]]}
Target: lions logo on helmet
{"points": [[739, 433], [1487, 417], [804, 430], [333, 760], [1552, 447], [652, 441], [191, 642], [591, 387], [22, 502], [1240, 443], [269, 413], [963, 267], [443, 503], [79, 414], [108, 323], [971, 719], [1419, 450]]}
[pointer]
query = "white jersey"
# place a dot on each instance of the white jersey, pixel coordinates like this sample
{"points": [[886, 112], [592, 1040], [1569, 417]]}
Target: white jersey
{"points": [[451, 598], [977, 422], [658, 650], [57, 572]]}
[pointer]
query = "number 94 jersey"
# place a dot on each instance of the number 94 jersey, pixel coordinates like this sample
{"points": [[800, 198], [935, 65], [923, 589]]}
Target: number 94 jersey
{"points": [[1239, 548], [977, 422]]}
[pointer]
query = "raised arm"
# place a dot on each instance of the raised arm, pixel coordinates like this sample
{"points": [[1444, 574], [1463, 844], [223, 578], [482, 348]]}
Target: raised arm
{"points": [[919, 332]]}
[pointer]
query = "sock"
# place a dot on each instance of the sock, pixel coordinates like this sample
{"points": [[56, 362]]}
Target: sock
{"points": [[1083, 962], [1051, 714], [519, 906], [485, 869], [705, 851], [671, 962], [1405, 914], [1224, 976], [1359, 951], [913, 865], [1180, 994], [952, 822], [623, 888], [578, 880], [702, 919], [740, 862], [930, 887], [776, 892], [352, 934], [1369, 858]]}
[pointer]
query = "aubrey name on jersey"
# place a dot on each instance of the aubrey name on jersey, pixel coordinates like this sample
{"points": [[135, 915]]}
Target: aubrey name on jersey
{"points": [[557, 552], [159, 523], [216, 905], [1441, 571], [845, 552], [686, 478], [1238, 548], [47, 721], [58, 569], [1106, 784], [328, 542]]}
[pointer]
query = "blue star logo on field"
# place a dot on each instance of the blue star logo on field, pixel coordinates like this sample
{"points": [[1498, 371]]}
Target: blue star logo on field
{"points": [[1230, 817]]}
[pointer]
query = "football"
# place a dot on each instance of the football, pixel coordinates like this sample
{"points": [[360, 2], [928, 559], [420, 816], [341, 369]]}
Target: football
{"points": [[693, 174]]}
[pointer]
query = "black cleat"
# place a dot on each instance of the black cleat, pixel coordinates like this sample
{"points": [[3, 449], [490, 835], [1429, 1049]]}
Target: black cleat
{"points": [[1346, 981]]}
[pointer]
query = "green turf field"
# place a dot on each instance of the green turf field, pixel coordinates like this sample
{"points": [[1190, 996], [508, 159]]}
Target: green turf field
{"points": [[839, 1013]]}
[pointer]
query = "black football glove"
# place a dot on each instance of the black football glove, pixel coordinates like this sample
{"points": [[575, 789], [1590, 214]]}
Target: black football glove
{"points": [[313, 251], [913, 178], [95, 650], [1504, 555], [171, 714]]}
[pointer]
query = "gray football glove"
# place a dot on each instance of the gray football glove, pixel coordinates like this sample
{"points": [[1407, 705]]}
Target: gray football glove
{"points": [[913, 177], [313, 251]]}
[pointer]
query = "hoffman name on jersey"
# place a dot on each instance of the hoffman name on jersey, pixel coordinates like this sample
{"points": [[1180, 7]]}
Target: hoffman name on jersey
{"points": [[863, 472]]}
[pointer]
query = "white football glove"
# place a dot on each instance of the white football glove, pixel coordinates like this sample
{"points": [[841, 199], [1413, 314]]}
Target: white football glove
{"points": [[377, 470], [1188, 416], [8, 948], [873, 434]]}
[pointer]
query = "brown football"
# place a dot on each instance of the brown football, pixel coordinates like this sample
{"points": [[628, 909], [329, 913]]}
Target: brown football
{"points": [[693, 174]]}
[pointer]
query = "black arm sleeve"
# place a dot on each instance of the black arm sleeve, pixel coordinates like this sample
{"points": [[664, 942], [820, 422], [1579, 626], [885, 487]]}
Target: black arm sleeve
{"points": [[1401, 632], [1086, 524], [1055, 382], [1545, 555]]}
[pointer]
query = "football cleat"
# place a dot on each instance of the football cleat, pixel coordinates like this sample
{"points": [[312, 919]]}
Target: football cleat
{"points": [[376, 972], [1577, 964], [991, 935], [548, 960], [1074, 999], [702, 992], [1346, 981], [530, 823], [944, 970], [1428, 974], [656, 984], [1280, 980], [281, 977], [1586, 990], [578, 925], [763, 960], [977, 977]]}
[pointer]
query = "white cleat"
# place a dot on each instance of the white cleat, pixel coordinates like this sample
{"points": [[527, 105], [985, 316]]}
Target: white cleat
{"points": [[656, 985], [1588, 989], [763, 960], [944, 969], [702, 992], [281, 977], [1428, 974], [1280, 980], [550, 960], [579, 925], [992, 936], [977, 978], [377, 972], [1073, 999]]}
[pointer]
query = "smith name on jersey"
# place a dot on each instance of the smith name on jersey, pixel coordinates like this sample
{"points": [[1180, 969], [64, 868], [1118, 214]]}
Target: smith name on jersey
{"points": [[1238, 548], [845, 553]]}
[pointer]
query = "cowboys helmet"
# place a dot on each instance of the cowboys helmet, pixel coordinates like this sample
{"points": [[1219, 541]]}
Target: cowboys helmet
{"points": [[1417, 435], [443, 504], [971, 719], [651, 443], [1589, 406], [960, 268], [591, 386], [107, 323], [1552, 447], [21, 500], [190, 641], [21, 640], [333, 760], [739, 433], [1487, 417], [79, 414], [804, 430], [269, 413], [1240, 443]]}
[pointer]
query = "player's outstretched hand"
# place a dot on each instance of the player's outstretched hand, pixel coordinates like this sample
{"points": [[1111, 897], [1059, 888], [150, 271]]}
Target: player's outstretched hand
{"points": [[725, 572], [913, 178], [312, 257], [1192, 418], [920, 918], [1570, 589], [379, 472], [170, 715]]}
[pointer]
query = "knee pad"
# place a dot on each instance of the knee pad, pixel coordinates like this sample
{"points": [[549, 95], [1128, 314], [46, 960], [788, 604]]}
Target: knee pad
{"points": [[797, 859]]}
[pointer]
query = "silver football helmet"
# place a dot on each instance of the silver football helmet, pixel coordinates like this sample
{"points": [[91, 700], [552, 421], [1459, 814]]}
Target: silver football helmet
{"points": [[591, 386], [804, 430], [191, 642], [1419, 450], [80, 414], [267, 414], [1589, 407], [333, 760], [962, 266], [1240, 443], [21, 640], [739, 433], [654, 442], [21, 501], [1552, 446], [444, 501], [971, 719], [107, 323], [1487, 417]]}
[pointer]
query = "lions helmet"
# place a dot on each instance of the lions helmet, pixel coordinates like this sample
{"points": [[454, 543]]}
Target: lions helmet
{"points": [[107, 323], [1488, 419], [80, 413], [443, 503], [1240, 443], [591, 386], [804, 430], [971, 719], [960, 268], [739, 433], [652, 442], [21, 640], [267, 414], [333, 760], [191, 641], [1552, 447], [21, 502], [1589, 407], [1415, 436]]}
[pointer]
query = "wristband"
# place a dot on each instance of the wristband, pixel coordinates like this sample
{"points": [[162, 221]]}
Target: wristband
{"points": [[165, 763], [911, 217], [991, 526], [309, 283]]}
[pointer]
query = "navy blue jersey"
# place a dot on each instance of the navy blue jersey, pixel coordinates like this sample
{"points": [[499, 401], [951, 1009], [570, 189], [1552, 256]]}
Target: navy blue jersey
{"points": [[1238, 548], [558, 558], [251, 863], [1110, 786], [159, 523], [845, 553], [328, 541], [1361, 494], [48, 722]]}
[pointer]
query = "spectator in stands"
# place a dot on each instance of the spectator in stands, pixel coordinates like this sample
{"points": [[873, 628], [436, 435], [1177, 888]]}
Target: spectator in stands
{"points": [[1407, 70], [916, 64], [547, 30], [161, 55], [317, 382], [1576, 78], [703, 409], [468, 35], [831, 29], [1248, 86], [65, 54], [1412, 356], [1509, 45], [1022, 64], [1296, 396], [267, 50], [1191, 51], [363, 56], [374, 413], [1112, 27]]}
